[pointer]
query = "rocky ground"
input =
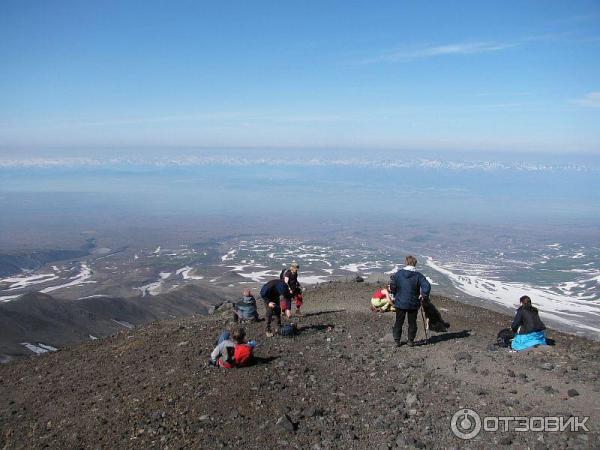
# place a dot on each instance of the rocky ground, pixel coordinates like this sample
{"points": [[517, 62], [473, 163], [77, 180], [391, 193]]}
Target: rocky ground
{"points": [[340, 383]]}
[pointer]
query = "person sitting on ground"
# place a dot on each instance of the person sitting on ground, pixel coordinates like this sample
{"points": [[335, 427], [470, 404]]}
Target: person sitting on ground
{"points": [[528, 326], [245, 309], [381, 301], [232, 350], [290, 278], [409, 288], [274, 293]]}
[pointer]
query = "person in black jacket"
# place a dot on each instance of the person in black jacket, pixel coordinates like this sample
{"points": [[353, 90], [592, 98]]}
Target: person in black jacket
{"points": [[409, 288], [273, 293], [528, 326]]}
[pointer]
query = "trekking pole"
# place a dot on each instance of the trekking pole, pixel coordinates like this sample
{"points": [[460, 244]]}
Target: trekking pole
{"points": [[424, 326]]}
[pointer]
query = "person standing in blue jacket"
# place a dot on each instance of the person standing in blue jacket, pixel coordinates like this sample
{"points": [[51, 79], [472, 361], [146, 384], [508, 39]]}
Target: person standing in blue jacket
{"points": [[409, 288]]}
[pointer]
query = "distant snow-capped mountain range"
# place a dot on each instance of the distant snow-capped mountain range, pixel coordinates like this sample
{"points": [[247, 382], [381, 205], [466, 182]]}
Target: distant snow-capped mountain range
{"points": [[191, 161]]}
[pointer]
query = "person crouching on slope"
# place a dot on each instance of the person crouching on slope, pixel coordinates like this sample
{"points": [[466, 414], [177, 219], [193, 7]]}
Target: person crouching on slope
{"points": [[381, 301], [528, 326], [409, 288], [232, 350], [273, 294]]}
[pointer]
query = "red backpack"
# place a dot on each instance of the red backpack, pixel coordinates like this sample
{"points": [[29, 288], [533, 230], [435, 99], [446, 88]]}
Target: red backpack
{"points": [[242, 354]]}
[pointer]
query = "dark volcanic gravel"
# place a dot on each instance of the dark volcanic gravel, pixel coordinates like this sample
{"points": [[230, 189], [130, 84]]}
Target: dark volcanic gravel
{"points": [[340, 383]]}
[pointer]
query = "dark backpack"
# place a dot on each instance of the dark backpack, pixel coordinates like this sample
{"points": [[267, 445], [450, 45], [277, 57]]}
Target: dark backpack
{"points": [[504, 337], [282, 274], [288, 330]]}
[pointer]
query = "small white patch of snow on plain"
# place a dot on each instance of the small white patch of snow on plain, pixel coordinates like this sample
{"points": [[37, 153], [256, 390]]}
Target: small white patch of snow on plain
{"points": [[81, 278], [123, 323], [39, 348]]}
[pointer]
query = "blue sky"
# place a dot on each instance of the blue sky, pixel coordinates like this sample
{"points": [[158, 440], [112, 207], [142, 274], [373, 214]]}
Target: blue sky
{"points": [[482, 75]]}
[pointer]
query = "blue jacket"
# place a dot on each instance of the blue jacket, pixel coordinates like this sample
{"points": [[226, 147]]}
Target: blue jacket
{"points": [[407, 285], [273, 290]]}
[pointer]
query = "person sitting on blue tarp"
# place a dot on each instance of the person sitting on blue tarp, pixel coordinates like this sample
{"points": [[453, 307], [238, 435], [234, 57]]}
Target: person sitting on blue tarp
{"points": [[528, 326]]}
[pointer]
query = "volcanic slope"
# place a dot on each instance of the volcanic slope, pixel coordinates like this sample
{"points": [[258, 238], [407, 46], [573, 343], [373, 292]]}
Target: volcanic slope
{"points": [[340, 383], [40, 318]]}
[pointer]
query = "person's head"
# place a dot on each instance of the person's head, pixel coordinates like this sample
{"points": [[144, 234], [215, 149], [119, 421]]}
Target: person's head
{"points": [[525, 301], [411, 261], [238, 335], [294, 267], [247, 293]]}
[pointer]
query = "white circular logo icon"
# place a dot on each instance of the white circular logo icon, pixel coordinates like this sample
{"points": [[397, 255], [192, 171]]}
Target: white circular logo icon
{"points": [[465, 424]]}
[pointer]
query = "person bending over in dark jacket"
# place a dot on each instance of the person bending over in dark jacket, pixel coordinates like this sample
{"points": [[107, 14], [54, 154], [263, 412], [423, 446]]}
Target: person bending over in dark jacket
{"points": [[409, 288], [528, 326], [273, 293]]}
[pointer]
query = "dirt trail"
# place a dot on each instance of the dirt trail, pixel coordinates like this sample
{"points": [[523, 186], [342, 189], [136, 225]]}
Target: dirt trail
{"points": [[340, 383]]}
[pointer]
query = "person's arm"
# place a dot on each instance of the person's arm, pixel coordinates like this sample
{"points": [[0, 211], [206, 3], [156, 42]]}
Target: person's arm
{"points": [[388, 298], [217, 351], [425, 286], [516, 323]]}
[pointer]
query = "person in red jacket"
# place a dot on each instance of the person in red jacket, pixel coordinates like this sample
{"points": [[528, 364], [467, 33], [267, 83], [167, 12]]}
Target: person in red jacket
{"points": [[232, 350], [381, 301]]}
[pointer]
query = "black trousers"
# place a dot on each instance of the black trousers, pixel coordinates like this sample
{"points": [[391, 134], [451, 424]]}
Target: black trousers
{"points": [[273, 312], [412, 324]]}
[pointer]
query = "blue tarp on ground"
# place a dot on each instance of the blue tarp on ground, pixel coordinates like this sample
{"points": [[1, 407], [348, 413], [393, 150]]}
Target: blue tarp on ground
{"points": [[525, 341]]}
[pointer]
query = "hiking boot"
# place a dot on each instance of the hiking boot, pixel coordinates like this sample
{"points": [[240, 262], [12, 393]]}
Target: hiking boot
{"points": [[398, 343], [411, 343]]}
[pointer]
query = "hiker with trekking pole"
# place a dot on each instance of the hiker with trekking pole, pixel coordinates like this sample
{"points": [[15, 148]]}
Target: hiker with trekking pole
{"points": [[410, 289]]}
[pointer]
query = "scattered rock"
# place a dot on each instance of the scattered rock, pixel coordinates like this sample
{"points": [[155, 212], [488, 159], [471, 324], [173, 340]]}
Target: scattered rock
{"points": [[572, 393], [158, 415], [411, 399], [511, 401], [286, 423], [547, 366], [463, 356]]}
